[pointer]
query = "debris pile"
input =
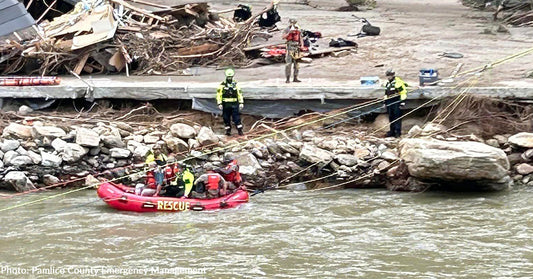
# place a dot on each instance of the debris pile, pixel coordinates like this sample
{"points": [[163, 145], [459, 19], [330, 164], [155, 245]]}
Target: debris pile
{"points": [[119, 36], [513, 12]]}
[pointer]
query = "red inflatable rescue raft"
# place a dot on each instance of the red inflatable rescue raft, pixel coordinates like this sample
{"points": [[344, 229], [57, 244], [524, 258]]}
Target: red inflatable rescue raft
{"points": [[122, 197]]}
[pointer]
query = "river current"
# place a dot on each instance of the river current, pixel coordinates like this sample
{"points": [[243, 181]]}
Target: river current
{"points": [[353, 233]]}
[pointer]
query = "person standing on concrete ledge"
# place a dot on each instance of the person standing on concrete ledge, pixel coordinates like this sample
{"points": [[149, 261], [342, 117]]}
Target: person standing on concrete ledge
{"points": [[395, 95], [230, 101], [294, 38]]}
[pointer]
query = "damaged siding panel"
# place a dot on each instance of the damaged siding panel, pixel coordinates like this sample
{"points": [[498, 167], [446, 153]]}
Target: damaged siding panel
{"points": [[13, 17]]}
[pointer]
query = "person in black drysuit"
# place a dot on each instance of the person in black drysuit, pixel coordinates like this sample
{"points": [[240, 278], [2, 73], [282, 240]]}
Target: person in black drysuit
{"points": [[395, 95], [230, 101]]}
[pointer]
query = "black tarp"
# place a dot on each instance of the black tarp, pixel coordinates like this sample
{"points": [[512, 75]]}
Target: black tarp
{"points": [[13, 17]]}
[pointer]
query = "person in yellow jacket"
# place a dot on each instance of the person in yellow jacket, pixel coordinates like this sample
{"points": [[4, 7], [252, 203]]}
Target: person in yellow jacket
{"points": [[230, 101], [395, 95], [156, 155]]}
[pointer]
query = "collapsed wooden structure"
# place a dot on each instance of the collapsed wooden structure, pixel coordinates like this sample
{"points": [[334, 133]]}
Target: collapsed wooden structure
{"points": [[121, 36]]}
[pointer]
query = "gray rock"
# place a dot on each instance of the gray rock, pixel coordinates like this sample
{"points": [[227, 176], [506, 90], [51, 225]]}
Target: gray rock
{"points": [[432, 129], [1, 164], [501, 139], [248, 164], [47, 131], [288, 148], [24, 110], [140, 151], [430, 159], [515, 158], [198, 154], [528, 155], [120, 153], [21, 151], [176, 145], [17, 131], [50, 160], [206, 136], [294, 167], [297, 144], [1, 155], [362, 153], [524, 140], [59, 144], [22, 160], [415, 131], [493, 143], [73, 152], [36, 158], [346, 159], [19, 181], [257, 153], [389, 156], [113, 140], [49, 179], [313, 154], [328, 144], [308, 135], [151, 138], [183, 131], [95, 151], [266, 164], [8, 145], [9, 156], [524, 169], [87, 137], [273, 147], [296, 187]]}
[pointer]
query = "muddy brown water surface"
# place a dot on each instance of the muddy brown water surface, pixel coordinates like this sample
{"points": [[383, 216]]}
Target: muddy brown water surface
{"points": [[333, 234]]}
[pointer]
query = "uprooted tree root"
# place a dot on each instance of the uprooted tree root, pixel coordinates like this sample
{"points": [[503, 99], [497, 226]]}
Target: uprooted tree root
{"points": [[485, 116]]}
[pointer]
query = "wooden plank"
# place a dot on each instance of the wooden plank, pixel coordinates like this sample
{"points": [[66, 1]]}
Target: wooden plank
{"points": [[81, 63], [149, 4], [201, 49], [330, 50]]}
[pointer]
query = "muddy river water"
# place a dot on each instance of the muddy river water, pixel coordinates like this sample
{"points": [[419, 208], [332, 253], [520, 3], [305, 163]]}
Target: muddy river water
{"points": [[327, 234]]}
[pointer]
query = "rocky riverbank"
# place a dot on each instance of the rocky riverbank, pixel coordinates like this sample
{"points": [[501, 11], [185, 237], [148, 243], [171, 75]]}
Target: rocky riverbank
{"points": [[36, 153]]}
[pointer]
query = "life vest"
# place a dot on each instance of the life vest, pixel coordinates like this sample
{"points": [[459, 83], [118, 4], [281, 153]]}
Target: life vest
{"points": [[229, 92], [188, 180], [294, 35], [233, 176], [212, 181], [397, 86], [150, 180], [171, 174]]}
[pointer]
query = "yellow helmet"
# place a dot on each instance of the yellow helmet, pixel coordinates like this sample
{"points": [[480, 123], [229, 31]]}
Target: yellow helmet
{"points": [[230, 72]]}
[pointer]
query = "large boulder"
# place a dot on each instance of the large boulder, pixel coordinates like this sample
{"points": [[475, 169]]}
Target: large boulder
{"points": [[206, 136], [183, 131], [248, 164], [50, 160], [120, 153], [524, 169], [73, 152], [87, 137], [346, 159], [22, 160], [17, 131], [524, 140], [112, 138], [9, 145], [313, 154], [47, 131], [288, 148], [456, 162], [176, 145], [19, 181]]}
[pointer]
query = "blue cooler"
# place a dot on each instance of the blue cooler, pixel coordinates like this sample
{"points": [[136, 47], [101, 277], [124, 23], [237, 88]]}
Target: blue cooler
{"points": [[369, 81], [428, 76]]}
